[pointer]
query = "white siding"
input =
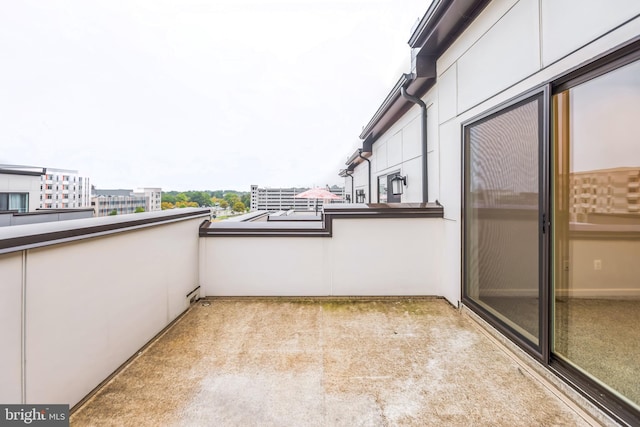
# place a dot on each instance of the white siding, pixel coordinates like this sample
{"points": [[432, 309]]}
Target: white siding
{"points": [[410, 134], [380, 154], [507, 53], [433, 152], [568, 25], [450, 169], [448, 93], [394, 150]]}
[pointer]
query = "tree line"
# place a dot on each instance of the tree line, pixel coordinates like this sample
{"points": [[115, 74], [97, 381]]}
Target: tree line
{"points": [[238, 201]]}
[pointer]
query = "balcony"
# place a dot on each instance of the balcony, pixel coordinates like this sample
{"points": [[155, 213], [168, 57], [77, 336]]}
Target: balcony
{"points": [[326, 362], [346, 333]]}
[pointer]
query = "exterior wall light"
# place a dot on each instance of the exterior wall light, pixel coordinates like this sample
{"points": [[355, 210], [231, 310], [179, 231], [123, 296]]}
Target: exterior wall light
{"points": [[397, 184]]}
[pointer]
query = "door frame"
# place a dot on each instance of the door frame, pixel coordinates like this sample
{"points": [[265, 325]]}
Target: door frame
{"points": [[542, 93]]}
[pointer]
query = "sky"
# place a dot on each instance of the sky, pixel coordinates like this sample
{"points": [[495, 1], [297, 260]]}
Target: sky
{"points": [[197, 94]]}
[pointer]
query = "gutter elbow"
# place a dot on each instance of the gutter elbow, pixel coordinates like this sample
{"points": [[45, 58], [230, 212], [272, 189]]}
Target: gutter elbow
{"points": [[412, 98]]}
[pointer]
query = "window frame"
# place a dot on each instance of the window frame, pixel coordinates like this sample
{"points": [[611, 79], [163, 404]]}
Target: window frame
{"points": [[22, 193]]}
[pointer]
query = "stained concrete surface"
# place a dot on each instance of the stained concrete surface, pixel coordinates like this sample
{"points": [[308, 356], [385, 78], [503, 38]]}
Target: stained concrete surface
{"points": [[323, 362]]}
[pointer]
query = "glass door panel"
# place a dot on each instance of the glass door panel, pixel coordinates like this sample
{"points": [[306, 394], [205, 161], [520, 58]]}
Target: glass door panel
{"points": [[502, 216], [596, 313]]}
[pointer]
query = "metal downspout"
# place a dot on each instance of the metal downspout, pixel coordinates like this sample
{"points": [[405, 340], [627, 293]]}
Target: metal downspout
{"points": [[350, 175], [368, 161], [425, 174]]}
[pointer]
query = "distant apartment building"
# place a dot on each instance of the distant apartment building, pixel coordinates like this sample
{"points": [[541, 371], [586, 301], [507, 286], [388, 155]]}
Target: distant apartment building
{"points": [[122, 202], [281, 199], [153, 197], [64, 188], [604, 191]]}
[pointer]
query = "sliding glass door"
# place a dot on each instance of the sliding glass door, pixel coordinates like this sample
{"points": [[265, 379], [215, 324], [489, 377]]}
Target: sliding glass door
{"points": [[566, 286]]}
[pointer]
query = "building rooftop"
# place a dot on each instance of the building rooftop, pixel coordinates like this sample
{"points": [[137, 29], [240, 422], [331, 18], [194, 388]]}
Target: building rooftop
{"points": [[286, 361]]}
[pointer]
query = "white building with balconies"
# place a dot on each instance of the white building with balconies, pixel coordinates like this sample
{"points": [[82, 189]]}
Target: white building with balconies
{"points": [[64, 188]]}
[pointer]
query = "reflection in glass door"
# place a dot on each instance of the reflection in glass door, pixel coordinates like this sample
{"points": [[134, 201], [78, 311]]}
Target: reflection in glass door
{"points": [[596, 320], [502, 217]]}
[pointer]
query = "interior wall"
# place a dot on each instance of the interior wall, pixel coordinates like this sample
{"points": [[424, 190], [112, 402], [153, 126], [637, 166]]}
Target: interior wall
{"points": [[604, 268]]}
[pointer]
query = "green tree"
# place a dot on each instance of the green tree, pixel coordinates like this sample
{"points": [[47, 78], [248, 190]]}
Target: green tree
{"points": [[239, 206], [113, 212], [139, 209], [181, 197], [231, 198], [169, 198], [246, 199], [224, 204], [201, 198]]}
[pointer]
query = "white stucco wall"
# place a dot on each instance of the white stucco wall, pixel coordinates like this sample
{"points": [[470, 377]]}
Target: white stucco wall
{"points": [[90, 305], [386, 257], [271, 266], [364, 257], [118, 293], [10, 327]]}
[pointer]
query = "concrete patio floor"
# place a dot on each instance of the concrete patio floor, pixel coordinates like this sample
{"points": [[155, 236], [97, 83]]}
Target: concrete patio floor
{"points": [[326, 362]]}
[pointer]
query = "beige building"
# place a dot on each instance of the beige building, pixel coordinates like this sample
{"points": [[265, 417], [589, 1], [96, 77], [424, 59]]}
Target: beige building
{"points": [[604, 191], [105, 202], [278, 199], [153, 198]]}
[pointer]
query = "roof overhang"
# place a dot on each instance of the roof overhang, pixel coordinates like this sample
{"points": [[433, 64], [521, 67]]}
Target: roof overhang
{"points": [[22, 171], [438, 28], [353, 157], [357, 157], [443, 22]]}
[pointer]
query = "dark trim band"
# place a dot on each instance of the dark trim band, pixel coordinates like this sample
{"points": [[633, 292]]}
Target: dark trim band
{"points": [[325, 228], [34, 238]]}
